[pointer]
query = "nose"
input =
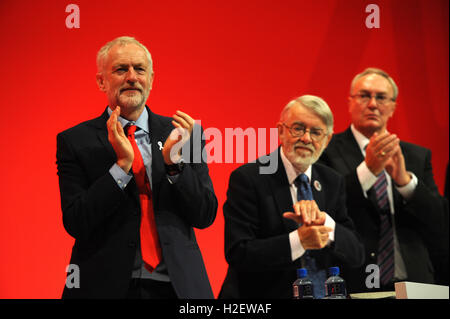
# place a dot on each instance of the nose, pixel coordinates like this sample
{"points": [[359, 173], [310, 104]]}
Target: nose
{"points": [[131, 76], [306, 138], [372, 102]]}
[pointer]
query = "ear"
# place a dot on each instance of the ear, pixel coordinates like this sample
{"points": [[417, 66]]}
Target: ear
{"points": [[393, 107], [280, 128], [100, 82]]}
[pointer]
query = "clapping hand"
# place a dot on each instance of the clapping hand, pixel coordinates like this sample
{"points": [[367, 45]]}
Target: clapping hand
{"points": [[119, 141], [184, 125]]}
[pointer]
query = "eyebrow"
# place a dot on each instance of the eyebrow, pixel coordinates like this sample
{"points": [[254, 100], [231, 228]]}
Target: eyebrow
{"points": [[378, 93], [303, 124], [126, 65]]}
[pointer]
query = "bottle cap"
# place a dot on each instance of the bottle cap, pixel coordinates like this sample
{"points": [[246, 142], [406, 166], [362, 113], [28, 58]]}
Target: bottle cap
{"points": [[302, 273], [334, 271]]}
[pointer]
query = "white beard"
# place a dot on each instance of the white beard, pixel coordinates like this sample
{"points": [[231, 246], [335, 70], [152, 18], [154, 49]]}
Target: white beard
{"points": [[302, 162], [132, 101]]}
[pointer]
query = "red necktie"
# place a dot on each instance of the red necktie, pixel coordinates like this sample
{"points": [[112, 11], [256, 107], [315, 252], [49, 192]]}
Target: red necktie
{"points": [[150, 248]]}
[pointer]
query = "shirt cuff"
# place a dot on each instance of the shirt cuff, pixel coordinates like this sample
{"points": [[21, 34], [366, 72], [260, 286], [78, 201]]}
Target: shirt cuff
{"points": [[297, 249], [366, 178], [408, 190], [329, 222], [122, 179]]}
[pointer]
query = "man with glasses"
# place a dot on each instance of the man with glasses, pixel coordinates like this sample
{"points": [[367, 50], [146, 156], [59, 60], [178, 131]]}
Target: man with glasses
{"points": [[392, 197], [296, 217]]}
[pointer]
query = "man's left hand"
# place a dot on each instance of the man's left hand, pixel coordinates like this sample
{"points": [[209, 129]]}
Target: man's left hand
{"points": [[395, 167], [184, 125]]}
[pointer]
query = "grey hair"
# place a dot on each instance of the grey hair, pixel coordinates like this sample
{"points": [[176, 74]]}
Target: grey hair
{"points": [[121, 41], [379, 72], [317, 105]]}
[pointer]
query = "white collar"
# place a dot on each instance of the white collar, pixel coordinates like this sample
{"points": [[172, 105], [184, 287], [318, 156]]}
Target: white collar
{"points": [[360, 138]]}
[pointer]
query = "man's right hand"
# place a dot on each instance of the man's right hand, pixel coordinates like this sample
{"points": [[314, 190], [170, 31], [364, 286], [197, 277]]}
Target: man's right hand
{"points": [[306, 212], [379, 150], [119, 141], [313, 237]]}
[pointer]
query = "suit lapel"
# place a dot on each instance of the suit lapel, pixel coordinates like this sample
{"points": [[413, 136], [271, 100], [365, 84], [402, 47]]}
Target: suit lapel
{"points": [[349, 149], [279, 185], [102, 133], [316, 187], [158, 135]]}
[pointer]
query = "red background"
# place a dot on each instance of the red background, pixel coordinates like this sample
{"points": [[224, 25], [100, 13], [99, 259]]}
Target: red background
{"points": [[232, 63]]}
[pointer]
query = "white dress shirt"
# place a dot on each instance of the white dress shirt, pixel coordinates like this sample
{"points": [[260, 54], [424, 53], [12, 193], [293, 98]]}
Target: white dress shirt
{"points": [[367, 179], [297, 249]]}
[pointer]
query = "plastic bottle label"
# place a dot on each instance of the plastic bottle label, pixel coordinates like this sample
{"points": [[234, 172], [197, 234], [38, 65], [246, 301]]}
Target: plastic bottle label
{"points": [[336, 289], [296, 295]]}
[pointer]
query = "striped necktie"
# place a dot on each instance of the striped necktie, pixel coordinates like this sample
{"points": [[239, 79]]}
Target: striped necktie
{"points": [[386, 240]]}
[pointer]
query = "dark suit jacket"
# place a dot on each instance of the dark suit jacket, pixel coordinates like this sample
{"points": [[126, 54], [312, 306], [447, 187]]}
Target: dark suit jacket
{"points": [[419, 221], [257, 246], [105, 220]]}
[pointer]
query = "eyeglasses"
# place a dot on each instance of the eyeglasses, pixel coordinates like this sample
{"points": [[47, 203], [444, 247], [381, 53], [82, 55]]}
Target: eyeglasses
{"points": [[364, 98], [298, 130]]}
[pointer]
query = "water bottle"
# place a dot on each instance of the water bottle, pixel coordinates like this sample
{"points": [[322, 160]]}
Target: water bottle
{"points": [[335, 285], [303, 287]]}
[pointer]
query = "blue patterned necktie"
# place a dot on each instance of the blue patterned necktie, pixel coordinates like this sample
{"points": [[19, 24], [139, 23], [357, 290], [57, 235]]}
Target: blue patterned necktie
{"points": [[317, 276], [386, 241]]}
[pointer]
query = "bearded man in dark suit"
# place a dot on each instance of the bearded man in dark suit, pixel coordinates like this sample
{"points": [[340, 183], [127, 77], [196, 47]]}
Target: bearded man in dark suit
{"points": [[294, 217], [127, 197]]}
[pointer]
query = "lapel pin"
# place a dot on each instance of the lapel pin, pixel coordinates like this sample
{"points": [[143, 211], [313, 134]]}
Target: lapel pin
{"points": [[160, 145], [317, 185]]}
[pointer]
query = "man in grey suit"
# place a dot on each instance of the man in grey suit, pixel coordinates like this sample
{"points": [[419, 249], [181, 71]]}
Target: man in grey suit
{"points": [[103, 200]]}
